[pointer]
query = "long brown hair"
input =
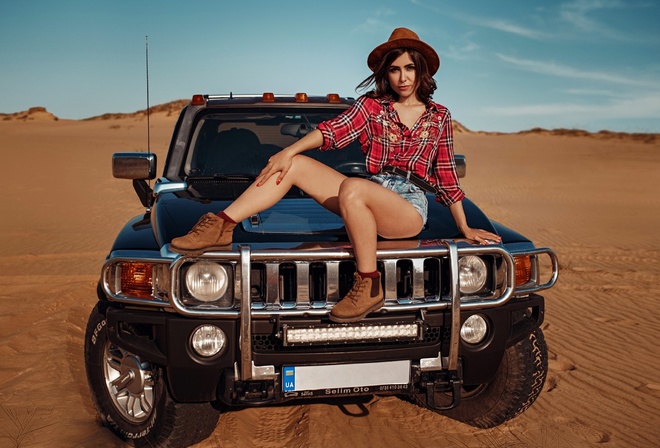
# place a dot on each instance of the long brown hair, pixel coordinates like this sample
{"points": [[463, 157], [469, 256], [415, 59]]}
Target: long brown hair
{"points": [[424, 84]]}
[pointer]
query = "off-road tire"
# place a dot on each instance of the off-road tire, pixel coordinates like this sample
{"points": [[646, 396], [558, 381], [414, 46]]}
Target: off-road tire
{"points": [[161, 423], [516, 385]]}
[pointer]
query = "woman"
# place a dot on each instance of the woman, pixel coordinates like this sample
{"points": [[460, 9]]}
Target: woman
{"points": [[398, 126]]}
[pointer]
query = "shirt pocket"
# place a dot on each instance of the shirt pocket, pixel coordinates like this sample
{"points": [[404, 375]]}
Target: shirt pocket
{"points": [[427, 134]]}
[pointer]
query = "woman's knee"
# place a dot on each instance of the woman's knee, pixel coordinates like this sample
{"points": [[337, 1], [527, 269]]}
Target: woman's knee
{"points": [[299, 162], [350, 190], [301, 167]]}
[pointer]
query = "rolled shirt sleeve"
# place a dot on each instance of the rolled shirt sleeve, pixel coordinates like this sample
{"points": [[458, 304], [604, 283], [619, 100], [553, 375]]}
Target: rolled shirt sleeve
{"points": [[444, 169], [340, 131]]}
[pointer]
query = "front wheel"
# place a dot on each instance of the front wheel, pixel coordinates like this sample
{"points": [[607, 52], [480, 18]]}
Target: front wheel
{"points": [[131, 396], [516, 385]]}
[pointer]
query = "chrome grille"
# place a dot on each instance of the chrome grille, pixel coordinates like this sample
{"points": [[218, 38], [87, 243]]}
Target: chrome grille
{"points": [[300, 284]]}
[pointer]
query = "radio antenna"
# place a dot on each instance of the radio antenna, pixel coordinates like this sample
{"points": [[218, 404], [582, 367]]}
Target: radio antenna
{"points": [[146, 42]]}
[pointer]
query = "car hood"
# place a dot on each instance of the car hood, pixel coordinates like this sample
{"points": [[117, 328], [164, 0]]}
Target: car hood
{"points": [[292, 220]]}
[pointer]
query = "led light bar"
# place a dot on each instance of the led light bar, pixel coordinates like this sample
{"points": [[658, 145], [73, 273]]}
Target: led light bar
{"points": [[351, 333]]}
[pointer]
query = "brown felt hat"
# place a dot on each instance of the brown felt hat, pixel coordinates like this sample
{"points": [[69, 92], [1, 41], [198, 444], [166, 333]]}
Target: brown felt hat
{"points": [[404, 38]]}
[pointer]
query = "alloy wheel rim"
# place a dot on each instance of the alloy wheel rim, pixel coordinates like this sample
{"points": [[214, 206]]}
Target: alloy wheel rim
{"points": [[130, 383]]}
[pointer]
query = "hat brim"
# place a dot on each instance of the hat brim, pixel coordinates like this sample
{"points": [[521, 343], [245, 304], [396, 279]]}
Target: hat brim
{"points": [[429, 54]]}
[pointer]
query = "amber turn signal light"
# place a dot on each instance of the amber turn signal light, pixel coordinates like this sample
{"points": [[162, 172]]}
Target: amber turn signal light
{"points": [[137, 280], [523, 269]]}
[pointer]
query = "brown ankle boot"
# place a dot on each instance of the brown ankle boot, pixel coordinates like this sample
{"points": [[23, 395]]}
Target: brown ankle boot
{"points": [[210, 233], [365, 296]]}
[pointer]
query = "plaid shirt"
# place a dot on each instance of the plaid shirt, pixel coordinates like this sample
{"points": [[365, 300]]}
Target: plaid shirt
{"points": [[427, 149]]}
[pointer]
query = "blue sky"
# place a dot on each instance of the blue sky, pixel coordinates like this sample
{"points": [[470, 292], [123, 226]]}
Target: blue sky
{"points": [[505, 65]]}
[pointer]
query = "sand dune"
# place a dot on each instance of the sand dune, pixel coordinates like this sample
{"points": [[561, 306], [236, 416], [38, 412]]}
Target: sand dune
{"points": [[593, 198]]}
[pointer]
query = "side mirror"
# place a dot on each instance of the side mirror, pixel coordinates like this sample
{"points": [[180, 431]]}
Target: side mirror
{"points": [[134, 165], [461, 165]]}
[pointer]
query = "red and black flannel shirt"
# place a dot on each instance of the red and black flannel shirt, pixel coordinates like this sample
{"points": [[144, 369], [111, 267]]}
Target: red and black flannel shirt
{"points": [[427, 149]]}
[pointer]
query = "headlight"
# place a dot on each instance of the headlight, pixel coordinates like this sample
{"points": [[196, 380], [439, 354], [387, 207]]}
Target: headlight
{"points": [[208, 340], [472, 274], [207, 281], [474, 329]]}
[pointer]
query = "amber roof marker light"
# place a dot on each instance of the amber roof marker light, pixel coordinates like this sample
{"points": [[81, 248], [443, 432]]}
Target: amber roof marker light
{"points": [[333, 98], [268, 97], [198, 100], [301, 98]]}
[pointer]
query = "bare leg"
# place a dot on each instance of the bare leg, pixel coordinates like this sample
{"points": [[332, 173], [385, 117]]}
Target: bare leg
{"points": [[368, 210], [319, 181]]}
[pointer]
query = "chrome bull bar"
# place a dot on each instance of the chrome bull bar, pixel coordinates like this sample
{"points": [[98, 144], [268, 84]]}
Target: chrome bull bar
{"points": [[248, 370]]}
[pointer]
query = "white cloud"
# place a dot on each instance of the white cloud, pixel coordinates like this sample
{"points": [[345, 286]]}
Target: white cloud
{"points": [[507, 27], [642, 106], [462, 51], [565, 71], [377, 23], [496, 24], [579, 14], [372, 25], [578, 11], [593, 92]]}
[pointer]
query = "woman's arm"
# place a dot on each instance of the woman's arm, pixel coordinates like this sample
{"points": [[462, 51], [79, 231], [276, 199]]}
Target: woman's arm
{"points": [[444, 167], [280, 162], [478, 235], [337, 132]]}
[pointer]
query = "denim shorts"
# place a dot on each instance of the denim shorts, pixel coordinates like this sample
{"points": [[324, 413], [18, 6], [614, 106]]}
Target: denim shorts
{"points": [[406, 189]]}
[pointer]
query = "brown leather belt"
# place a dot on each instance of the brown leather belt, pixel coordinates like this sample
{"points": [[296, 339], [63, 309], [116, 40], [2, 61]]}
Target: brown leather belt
{"points": [[411, 177]]}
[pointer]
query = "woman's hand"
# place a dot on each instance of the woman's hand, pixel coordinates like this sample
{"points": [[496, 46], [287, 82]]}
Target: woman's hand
{"points": [[279, 162], [483, 237], [479, 235]]}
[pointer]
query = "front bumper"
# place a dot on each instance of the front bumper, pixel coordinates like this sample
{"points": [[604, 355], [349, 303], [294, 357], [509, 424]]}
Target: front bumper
{"points": [[164, 339]]}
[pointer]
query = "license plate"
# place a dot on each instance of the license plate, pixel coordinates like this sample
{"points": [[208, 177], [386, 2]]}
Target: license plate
{"points": [[345, 379]]}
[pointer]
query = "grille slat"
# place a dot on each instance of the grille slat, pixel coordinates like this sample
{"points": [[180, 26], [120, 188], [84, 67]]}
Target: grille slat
{"points": [[273, 283], [389, 268], [332, 281], [418, 278], [302, 283]]}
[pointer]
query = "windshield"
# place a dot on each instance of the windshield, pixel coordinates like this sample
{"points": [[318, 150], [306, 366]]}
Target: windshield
{"points": [[238, 144]]}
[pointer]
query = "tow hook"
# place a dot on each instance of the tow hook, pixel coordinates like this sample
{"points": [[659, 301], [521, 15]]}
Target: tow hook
{"points": [[254, 392], [450, 382]]}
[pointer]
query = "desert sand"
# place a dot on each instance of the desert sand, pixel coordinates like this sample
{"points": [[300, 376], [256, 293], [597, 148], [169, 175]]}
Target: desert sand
{"points": [[593, 198]]}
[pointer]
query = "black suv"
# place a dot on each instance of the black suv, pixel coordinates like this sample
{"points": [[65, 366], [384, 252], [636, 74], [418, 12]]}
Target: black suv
{"points": [[174, 340]]}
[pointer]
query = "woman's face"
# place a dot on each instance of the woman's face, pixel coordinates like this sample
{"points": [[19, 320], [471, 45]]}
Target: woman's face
{"points": [[401, 75]]}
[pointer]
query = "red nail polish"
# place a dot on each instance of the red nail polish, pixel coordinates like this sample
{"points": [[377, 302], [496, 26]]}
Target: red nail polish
{"points": [[278, 181]]}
